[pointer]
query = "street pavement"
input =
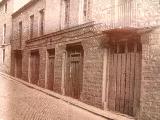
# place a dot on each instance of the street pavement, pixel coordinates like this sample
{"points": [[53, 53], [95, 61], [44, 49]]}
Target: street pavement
{"points": [[19, 102]]}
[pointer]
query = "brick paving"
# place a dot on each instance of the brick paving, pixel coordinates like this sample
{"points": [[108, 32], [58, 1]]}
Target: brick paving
{"points": [[19, 102]]}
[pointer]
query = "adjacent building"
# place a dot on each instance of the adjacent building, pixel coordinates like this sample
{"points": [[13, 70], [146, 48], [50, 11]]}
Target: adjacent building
{"points": [[103, 53], [6, 10]]}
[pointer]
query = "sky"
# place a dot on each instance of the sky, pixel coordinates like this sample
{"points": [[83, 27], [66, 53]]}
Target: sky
{"points": [[19, 3]]}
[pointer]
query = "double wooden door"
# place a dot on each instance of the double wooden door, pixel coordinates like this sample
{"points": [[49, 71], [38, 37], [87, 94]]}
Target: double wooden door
{"points": [[124, 77], [34, 67]]}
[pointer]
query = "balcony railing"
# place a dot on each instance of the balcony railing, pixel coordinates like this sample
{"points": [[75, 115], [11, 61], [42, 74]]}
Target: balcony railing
{"points": [[130, 14]]}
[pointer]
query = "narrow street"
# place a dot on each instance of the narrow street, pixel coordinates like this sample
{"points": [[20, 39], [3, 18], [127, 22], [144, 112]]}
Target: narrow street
{"points": [[19, 102]]}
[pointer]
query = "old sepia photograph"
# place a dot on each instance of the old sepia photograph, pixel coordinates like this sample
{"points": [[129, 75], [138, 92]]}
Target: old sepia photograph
{"points": [[79, 59]]}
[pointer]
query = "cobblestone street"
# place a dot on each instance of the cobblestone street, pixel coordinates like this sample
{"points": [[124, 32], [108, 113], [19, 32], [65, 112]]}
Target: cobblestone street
{"points": [[19, 102]]}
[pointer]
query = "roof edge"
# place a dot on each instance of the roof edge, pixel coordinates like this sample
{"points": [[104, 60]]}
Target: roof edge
{"points": [[27, 5], [2, 2], [132, 30]]}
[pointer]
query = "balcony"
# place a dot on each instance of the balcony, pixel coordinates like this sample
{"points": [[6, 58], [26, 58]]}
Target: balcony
{"points": [[130, 14]]}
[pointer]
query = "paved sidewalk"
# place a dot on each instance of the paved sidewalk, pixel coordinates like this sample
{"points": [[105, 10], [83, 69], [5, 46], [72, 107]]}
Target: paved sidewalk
{"points": [[19, 102]]}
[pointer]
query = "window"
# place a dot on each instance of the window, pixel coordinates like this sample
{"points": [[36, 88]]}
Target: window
{"points": [[4, 33], [20, 33], [86, 8], [31, 25], [3, 55], [67, 4], [41, 25], [5, 7]]}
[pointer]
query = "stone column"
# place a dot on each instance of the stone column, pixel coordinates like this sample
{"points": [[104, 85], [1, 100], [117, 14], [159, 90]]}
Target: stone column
{"points": [[42, 67], [59, 53], [92, 71]]}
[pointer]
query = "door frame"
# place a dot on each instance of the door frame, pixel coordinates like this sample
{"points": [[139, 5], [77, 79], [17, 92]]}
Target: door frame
{"points": [[71, 49], [17, 52], [29, 67], [47, 64]]}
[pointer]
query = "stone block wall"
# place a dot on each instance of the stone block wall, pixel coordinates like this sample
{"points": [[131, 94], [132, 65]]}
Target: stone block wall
{"points": [[92, 72], [150, 84]]}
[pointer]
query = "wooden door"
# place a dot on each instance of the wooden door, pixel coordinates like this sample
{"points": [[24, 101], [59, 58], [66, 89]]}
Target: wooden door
{"points": [[50, 77], [18, 65], [35, 67], [73, 84], [124, 77], [75, 72]]}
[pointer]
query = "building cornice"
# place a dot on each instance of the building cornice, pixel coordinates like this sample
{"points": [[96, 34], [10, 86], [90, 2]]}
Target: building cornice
{"points": [[63, 31]]}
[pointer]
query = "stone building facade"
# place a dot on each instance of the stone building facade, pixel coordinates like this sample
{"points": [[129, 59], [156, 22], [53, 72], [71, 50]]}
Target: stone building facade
{"points": [[98, 56], [6, 10]]}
